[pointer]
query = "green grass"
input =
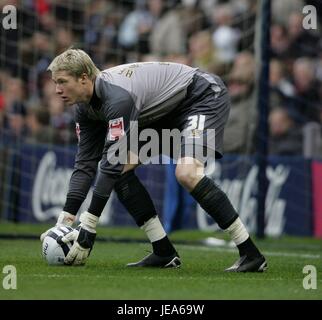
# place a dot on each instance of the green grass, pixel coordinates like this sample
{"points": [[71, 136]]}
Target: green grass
{"points": [[201, 276]]}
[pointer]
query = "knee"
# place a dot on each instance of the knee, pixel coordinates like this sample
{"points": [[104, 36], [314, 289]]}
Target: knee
{"points": [[188, 175], [129, 167]]}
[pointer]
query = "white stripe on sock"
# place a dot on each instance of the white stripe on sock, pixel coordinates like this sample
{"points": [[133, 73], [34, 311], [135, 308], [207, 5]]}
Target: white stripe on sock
{"points": [[153, 229], [237, 231]]}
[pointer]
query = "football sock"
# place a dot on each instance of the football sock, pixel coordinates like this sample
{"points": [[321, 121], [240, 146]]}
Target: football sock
{"points": [[240, 236], [215, 202], [163, 247], [248, 248], [160, 242], [237, 232], [133, 195], [135, 198]]}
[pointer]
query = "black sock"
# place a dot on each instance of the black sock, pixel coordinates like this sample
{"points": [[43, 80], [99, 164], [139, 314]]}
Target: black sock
{"points": [[163, 247], [135, 198], [215, 202], [248, 248]]}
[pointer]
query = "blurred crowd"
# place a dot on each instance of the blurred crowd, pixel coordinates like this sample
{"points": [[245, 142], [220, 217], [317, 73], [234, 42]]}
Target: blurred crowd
{"points": [[215, 35]]}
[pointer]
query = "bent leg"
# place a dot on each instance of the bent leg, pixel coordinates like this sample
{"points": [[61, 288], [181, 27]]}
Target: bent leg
{"points": [[216, 203], [190, 174], [136, 199]]}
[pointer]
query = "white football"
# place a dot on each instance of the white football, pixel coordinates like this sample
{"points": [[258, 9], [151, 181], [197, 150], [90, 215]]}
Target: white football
{"points": [[53, 252]]}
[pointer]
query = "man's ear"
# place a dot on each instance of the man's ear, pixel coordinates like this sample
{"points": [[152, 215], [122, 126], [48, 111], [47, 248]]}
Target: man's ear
{"points": [[84, 78]]}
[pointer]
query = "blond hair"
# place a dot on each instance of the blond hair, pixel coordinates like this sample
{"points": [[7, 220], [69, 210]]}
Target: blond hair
{"points": [[75, 62]]}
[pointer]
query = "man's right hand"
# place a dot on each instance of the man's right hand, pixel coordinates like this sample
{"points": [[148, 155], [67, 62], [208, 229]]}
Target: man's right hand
{"points": [[64, 219], [83, 241]]}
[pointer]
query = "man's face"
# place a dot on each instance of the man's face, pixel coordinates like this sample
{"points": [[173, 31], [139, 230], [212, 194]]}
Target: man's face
{"points": [[69, 88]]}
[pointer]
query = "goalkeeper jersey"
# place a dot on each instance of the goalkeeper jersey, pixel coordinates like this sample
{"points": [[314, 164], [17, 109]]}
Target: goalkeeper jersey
{"points": [[153, 88], [140, 91]]}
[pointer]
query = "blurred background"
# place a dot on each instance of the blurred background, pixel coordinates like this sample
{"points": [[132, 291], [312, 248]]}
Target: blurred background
{"points": [[37, 132]]}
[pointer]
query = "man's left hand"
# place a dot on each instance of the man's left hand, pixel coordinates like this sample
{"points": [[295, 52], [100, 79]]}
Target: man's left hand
{"points": [[81, 248]]}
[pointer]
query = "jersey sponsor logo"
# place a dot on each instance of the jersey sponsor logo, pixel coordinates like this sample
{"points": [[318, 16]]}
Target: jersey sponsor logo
{"points": [[116, 129], [78, 131]]}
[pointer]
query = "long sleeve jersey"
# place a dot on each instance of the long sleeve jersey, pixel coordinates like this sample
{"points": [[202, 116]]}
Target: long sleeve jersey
{"points": [[142, 92]]}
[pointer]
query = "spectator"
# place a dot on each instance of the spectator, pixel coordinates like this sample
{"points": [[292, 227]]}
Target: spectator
{"points": [[41, 43], [282, 91], [242, 119], [175, 26], [202, 53], [94, 21], [1, 110], [225, 37], [138, 24], [38, 124], [16, 127], [306, 90], [285, 136], [302, 42], [282, 9], [64, 40], [15, 108], [62, 121], [167, 36], [279, 42]]}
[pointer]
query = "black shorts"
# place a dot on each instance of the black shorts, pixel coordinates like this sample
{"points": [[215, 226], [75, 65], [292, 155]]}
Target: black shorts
{"points": [[200, 118]]}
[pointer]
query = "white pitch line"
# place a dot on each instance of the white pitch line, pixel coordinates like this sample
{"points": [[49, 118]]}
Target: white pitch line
{"points": [[213, 277], [295, 255], [269, 253]]}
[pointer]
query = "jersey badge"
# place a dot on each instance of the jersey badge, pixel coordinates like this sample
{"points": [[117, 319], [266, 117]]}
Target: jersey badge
{"points": [[116, 129], [78, 131]]}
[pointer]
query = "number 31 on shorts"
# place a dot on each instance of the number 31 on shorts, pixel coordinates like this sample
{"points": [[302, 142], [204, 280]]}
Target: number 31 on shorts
{"points": [[196, 122]]}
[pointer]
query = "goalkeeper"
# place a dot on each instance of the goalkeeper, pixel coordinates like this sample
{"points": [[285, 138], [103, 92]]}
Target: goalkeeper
{"points": [[153, 95]]}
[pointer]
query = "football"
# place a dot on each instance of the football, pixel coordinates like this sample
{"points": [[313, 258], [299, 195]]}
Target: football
{"points": [[53, 251]]}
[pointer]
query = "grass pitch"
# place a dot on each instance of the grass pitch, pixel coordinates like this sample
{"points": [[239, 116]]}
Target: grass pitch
{"points": [[201, 276]]}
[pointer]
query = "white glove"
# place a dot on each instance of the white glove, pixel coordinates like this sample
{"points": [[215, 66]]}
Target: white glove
{"points": [[64, 219], [68, 237], [83, 236]]}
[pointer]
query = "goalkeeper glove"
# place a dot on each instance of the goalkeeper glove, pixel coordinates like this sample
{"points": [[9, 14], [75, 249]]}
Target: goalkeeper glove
{"points": [[84, 235], [64, 219]]}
